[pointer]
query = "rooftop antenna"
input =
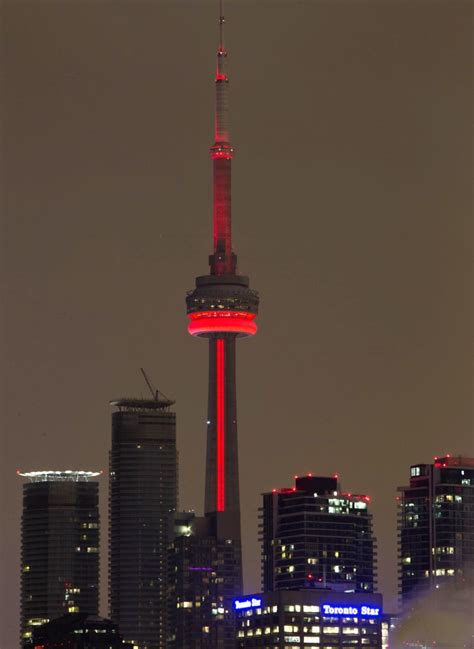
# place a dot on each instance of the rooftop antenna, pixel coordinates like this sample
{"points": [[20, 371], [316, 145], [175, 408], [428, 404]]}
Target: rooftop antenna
{"points": [[221, 25]]}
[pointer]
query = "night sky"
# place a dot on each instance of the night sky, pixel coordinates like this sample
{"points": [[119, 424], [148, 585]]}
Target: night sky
{"points": [[352, 123]]}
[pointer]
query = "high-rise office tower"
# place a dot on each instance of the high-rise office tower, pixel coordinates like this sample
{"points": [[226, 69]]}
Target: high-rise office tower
{"points": [[221, 308], [436, 527], [315, 536], [59, 546], [203, 568], [143, 493]]}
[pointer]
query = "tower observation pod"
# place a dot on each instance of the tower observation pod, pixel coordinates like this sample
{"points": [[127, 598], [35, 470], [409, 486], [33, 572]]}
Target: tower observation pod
{"points": [[221, 308]]}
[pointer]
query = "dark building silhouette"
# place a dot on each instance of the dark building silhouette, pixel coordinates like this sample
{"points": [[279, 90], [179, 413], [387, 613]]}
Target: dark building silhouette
{"points": [[436, 528], [59, 546], [221, 308], [313, 619], [143, 493], [313, 535], [204, 579], [77, 631]]}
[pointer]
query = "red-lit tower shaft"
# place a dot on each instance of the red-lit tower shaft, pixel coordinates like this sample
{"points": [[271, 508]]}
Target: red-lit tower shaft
{"points": [[221, 308], [222, 475]]}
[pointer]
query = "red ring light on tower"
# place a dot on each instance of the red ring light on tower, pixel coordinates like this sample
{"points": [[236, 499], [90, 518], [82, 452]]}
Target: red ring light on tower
{"points": [[239, 322]]}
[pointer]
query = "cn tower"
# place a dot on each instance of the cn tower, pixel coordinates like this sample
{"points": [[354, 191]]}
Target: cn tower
{"points": [[222, 308]]}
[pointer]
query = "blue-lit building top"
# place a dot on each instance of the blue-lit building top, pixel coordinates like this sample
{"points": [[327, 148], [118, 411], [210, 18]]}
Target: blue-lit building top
{"points": [[310, 619]]}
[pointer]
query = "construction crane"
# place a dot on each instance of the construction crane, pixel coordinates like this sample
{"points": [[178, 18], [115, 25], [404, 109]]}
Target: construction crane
{"points": [[155, 394]]}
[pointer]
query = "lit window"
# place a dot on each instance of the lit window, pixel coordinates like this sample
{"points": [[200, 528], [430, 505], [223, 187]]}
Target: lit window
{"points": [[37, 621], [331, 629]]}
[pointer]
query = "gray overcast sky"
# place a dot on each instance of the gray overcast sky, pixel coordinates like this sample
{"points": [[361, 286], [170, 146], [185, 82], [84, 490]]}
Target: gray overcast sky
{"points": [[352, 123]]}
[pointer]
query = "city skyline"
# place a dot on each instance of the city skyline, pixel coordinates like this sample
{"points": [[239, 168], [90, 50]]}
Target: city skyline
{"points": [[361, 363]]}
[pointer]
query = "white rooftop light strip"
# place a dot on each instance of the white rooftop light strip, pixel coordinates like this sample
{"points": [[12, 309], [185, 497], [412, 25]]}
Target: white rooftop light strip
{"points": [[67, 475]]}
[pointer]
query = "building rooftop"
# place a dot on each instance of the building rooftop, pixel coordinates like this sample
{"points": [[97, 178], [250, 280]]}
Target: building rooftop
{"points": [[454, 460], [59, 476], [130, 403], [319, 486]]}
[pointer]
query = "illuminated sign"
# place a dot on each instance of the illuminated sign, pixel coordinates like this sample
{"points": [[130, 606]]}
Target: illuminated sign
{"points": [[251, 602], [353, 611]]}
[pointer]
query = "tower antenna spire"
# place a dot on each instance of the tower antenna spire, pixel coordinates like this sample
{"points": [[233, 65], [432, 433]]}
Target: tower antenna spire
{"points": [[221, 24]]}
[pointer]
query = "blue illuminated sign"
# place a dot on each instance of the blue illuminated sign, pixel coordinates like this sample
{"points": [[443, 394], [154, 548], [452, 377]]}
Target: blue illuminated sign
{"points": [[250, 602], [351, 611]]}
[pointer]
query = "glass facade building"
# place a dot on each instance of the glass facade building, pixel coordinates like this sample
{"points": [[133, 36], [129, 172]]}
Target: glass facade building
{"points": [[313, 535], [310, 619], [436, 527], [59, 547], [143, 493], [205, 577]]}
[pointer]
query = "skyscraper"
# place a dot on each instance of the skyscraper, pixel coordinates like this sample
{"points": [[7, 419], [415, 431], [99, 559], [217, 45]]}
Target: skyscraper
{"points": [[221, 308], [436, 527], [143, 493], [203, 583], [315, 536], [59, 546]]}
